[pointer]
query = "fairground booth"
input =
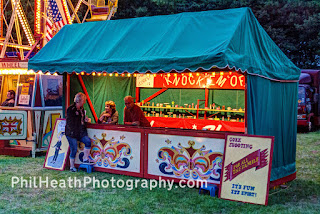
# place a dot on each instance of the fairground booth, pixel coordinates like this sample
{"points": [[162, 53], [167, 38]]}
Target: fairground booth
{"points": [[195, 75], [27, 124]]}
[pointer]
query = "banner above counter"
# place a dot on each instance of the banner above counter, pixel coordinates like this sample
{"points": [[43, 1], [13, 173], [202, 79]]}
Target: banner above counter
{"points": [[215, 80]]}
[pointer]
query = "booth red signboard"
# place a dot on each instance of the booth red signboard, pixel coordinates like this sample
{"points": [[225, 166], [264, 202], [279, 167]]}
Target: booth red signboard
{"points": [[219, 80]]}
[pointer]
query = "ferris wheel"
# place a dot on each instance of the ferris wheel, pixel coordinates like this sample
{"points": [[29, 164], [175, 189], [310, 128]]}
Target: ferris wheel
{"points": [[17, 21], [49, 17]]}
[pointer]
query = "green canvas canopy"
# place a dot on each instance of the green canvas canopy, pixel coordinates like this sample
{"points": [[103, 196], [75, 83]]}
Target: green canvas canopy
{"points": [[232, 38], [211, 39]]}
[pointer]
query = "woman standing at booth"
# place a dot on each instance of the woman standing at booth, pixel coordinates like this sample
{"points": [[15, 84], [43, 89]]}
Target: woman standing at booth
{"points": [[110, 115], [76, 129]]}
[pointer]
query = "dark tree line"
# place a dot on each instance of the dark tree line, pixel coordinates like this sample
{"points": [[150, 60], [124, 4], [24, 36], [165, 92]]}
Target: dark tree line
{"points": [[294, 25]]}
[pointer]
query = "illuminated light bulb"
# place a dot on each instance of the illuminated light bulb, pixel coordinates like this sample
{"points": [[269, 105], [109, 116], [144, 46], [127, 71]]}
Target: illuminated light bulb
{"points": [[190, 74], [134, 75], [93, 73], [154, 75], [168, 75], [82, 73], [110, 75], [230, 72], [122, 75], [197, 74], [129, 75], [175, 75], [206, 73], [40, 72], [116, 74], [209, 81], [99, 74], [104, 74], [221, 73], [213, 74], [148, 75]]}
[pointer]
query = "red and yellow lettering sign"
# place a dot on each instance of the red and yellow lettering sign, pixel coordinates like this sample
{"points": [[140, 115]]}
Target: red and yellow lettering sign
{"points": [[220, 80]]}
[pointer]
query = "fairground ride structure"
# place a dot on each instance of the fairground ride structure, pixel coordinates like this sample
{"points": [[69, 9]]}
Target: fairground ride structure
{"points": [[49, 18]]}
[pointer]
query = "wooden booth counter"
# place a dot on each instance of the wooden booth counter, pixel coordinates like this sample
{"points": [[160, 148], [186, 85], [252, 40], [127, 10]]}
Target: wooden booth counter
{"points": [[197, 124], [156, 152]]}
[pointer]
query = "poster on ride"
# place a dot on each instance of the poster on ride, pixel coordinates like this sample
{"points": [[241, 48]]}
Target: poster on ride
{"points": [[246, 169]]}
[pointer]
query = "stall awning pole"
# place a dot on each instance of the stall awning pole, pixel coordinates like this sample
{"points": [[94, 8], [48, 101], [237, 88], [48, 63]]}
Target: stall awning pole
{"points": [[88, 98], [155, 95], [68, 91]]}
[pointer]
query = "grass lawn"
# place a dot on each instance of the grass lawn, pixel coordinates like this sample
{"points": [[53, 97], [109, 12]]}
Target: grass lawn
{"points": [[301, 195]]}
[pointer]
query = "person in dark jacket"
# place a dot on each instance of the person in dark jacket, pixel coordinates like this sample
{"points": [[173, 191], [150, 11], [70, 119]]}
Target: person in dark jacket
{"points": [[76, 129], [10, 99]]}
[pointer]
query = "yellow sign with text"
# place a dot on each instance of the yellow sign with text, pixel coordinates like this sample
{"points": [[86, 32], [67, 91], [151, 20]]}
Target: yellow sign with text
{"points": [[25, 88], [246, 169]]}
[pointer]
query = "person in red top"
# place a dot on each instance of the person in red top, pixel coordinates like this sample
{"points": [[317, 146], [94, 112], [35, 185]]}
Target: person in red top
{"points": [[133, 115]]}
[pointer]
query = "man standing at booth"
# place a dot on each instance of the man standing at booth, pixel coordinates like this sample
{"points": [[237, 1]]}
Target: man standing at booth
{"points": [[76, 129], [133, 115]]}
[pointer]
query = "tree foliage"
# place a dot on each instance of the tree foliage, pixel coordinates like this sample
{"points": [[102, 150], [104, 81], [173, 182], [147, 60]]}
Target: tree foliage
{"points": [[292, 24]]}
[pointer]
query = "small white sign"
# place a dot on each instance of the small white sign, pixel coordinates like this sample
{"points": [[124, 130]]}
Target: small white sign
{"points": [[145, 81], [24, 99]]}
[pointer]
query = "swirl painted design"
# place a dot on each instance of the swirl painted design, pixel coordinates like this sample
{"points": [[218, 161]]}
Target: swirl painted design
{"points": [[190, 163]]}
